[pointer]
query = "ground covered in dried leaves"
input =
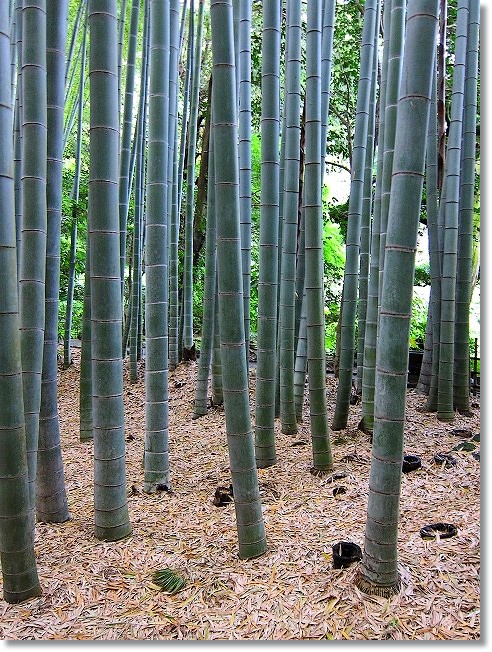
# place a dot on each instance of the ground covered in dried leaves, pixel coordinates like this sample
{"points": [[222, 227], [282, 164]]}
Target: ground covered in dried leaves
{"points": [[98, 590]]}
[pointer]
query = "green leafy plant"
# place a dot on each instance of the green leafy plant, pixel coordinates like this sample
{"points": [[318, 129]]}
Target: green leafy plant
{"points": [[168, 580], [422, 275], [418, 322]]}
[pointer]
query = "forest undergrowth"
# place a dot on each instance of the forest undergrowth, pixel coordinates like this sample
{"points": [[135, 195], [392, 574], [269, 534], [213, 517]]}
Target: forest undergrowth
{"points": [[105, 591]]}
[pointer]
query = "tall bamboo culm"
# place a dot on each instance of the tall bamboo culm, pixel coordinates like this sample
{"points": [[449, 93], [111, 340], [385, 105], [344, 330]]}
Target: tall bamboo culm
{"points": [[190, 182], [18, 132], [139, 195], [351, 276], [156, 459], [378, 573], [110, 501], [175, 345], [371, 323], [34, 223], [366, 212], [51, 496], [250, 525], [269, 220], [392, 93], [434, 248], [86, 430], [290, 211], [67, 355], [17, 559], [210, 283], [316, 357], [465, 231], [126, 135], [445, 404], [244, 132]]}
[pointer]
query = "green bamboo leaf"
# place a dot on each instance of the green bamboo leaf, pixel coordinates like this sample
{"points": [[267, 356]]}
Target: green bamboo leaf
{"points": [[168, 580]]}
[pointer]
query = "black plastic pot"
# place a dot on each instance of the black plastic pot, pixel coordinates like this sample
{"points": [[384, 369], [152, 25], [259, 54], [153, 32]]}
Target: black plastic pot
{"points": [[445, 531], [223, 496], [345, 553], [410, 463], [446, 459]]}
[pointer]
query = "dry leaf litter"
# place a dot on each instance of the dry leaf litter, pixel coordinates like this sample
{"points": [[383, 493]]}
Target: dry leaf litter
{"points": [[98, 590]]}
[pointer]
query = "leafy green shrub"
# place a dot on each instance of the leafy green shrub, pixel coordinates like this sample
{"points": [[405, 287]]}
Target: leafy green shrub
{"points": [[77, 314], [422, 275], [418, 322], [331, 337], [334, 264]]}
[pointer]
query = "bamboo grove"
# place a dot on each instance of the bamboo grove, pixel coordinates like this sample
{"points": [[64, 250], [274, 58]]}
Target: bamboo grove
{"points": [[126, 77]]}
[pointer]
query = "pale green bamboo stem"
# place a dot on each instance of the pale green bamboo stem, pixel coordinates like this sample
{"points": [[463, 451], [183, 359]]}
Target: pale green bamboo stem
{"points": [[209, 293], [250, 525], [174, 316], [244, 132], [351, 276], [111, 519], [33, 251], [366, 212], [73, 38], [396, 37], [301, 362], [126, 135], [425, 376], [86, 429], [300, 271], [315, 323], [121, 33], [17, 558], [268, 255], [70, 83], [174, 54], [445, 404], [217, 393], [156, 459], [190, 185], [327, 34], [51, 496], [370, 331], [434, 249], [464, 269], [18, 135], [67, 359], [136, 302], [12, 30], [378, 573], [292, 132]]}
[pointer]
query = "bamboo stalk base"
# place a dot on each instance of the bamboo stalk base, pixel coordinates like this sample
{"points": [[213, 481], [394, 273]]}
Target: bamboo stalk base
{"points": [[369, 588]]}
